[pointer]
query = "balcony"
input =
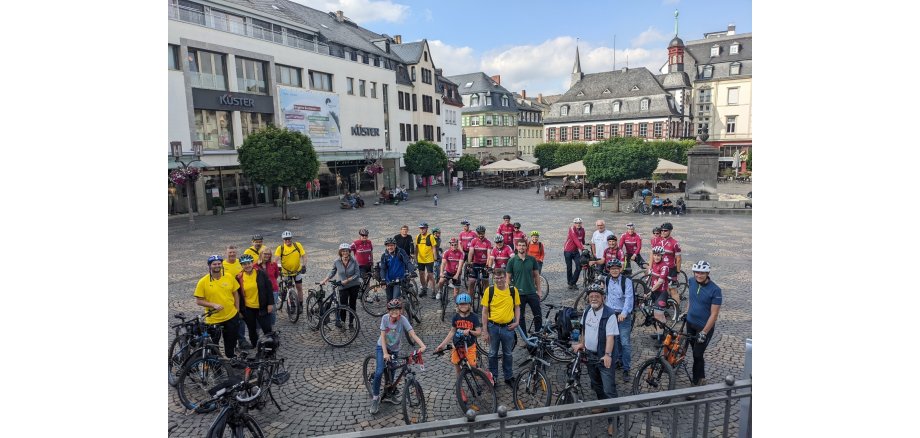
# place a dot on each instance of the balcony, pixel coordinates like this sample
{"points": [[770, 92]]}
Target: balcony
{"points": [[225, 23]]}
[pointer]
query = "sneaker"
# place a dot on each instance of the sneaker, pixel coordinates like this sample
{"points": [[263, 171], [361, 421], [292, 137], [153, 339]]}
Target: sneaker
{"points": [[392, 399], [424, 293], [626, 376], [375, 405], [437, 296], [245, 345]]}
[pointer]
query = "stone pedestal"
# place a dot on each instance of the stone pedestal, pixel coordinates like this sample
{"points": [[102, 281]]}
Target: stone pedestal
{"points": [[702, 169]]}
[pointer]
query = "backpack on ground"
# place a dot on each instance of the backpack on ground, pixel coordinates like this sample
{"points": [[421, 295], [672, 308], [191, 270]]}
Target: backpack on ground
{"points": [[567, 319]]}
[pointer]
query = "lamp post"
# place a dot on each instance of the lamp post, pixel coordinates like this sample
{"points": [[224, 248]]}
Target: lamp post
{"points": [[176, 151], [371, 156]]}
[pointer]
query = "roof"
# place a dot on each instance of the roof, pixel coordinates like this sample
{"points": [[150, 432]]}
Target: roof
{"points": [[602, 90], [480, 83], [699, 55], [674, 80], [409, 52], [613, 84]]}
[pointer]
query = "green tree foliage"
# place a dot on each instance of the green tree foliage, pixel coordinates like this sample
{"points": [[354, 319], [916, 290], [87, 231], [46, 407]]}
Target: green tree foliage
{"points": [[618, 161], [569, 153], [278, 157], [545, 153], [425, 159], [671, 150], [749, 160], [467, 163]]}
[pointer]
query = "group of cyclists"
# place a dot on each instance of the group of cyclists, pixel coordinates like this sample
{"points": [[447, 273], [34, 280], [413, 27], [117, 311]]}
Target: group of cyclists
{"points": [[246, 288]]}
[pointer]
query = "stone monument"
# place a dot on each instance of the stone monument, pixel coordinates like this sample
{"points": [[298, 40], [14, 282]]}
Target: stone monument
{"points": [[702, 169]]}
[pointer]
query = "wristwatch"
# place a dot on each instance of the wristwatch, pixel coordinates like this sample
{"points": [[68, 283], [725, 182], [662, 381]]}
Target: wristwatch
{"points": [[606, 354]]}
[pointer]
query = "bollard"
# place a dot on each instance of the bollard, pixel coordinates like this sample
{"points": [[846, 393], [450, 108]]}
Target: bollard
{"points": [[744, 423]]}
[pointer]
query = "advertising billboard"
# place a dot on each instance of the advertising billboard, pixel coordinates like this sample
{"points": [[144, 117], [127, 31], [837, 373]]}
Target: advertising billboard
{"points": [[312, 113]]}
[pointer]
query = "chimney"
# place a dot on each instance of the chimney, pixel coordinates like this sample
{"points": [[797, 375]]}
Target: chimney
{"points": [[625, 69], [339, 16], [523, 94], [731, 29], [497, 79], [540, 98], [397, 39]]}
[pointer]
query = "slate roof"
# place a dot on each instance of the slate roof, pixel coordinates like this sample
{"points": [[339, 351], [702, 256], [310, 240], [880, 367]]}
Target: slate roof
{"points": [[481, 84], [697, 55], [409, 52], [602, 90]]}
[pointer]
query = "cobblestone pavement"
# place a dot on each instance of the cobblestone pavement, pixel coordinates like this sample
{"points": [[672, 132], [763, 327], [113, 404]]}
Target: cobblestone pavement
{"points": [[325, 394]]}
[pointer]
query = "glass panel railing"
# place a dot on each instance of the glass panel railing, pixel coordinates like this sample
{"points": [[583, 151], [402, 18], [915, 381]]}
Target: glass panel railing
{"points": [[209, 81]]}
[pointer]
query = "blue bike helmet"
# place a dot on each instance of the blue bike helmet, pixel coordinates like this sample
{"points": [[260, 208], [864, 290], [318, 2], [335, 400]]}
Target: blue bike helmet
{"points": [[464, 299], [214, 258]]}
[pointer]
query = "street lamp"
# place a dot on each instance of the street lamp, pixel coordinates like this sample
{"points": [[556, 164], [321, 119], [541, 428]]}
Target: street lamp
{"points": [[372, 156], [176, 151]]}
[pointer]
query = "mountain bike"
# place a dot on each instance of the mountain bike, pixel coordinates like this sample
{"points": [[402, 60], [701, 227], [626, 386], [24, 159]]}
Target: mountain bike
{"points": [[234, 419], [449, 285], [478, 290], [637, 207], [571, 393], [557, 349], [474, 388], [288, 289], [407, 291], [643, 275], [644, 306], [191, 340], [532, 389], [413, 399], [658, 373], [373, 293], [325, 314]]}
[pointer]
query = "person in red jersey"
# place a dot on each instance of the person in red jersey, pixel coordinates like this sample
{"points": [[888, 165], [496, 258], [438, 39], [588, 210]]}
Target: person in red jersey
{"points": [[574, 244], [478, 256], [363, 250], [506, 230], [658, 282], [671, 257], [612, 252], [517, 234], [500, 254], [451, 267], [631, 245], [466, 236]]}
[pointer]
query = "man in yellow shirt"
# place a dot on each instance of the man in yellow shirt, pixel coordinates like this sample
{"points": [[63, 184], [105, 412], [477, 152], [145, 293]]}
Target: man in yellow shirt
{"points": [[293, 260], [500, 316], [424, 253], [232, 268], [218, 291], [256, 249]]}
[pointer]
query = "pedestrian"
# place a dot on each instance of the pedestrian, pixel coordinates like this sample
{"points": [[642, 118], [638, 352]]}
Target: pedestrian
{"points": [[600, 328], [574, 244], [435, 199], [346, 270], [500, 317], [705, 303]]}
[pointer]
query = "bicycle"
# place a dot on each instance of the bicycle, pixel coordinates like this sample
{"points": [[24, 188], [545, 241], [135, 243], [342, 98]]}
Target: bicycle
{"points": [[373, 293], [191, 340], [288, 289], [234, 414], [324, 313], [681, 281], [474, 388], [449, 285], [637, 207], [571, 393], [543, 290], [478, 290], [407, 291], [557, 349], [413, 399], [531, 388], [644, 303], [658, 373]]}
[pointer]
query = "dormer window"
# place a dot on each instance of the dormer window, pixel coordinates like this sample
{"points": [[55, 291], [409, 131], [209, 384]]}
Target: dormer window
{"points": [[734, 69], [714, 51], [707, 71], [733, 49], [616, 107], [488, 99], [474, 100], [504, 100], [635, 88], [580, 93], [643, 105], [606, 91], [564, 110], [587, 109]]}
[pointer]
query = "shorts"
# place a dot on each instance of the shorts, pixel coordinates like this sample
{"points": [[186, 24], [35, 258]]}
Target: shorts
{"points": [[661, 299], [470, 355], [672, 272], [427, 267], [450, 276], [478, 268], [298, 278]]}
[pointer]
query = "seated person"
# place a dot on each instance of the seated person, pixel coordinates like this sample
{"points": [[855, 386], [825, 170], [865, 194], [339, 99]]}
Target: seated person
{"points": [[350, 199], [668, 206], [646, 194], [358, 201], [384, 195], [657, 205], [680, 207]]}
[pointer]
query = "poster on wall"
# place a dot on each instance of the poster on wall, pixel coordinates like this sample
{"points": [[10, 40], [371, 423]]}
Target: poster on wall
{"points": [[313, 114]]}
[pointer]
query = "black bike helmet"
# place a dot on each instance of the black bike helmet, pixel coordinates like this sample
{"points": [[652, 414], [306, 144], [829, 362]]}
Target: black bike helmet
{"points": [[363, 232], [517, 225], [256, 237], [656, 230], [464, 222], [667, 226], [480, 229], [611, 237], [389, 241], [597, 287], [395, 303]]}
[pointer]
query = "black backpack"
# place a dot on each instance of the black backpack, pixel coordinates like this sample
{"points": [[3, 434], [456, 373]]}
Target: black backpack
{"points": [[567, 319], [491, 289]]}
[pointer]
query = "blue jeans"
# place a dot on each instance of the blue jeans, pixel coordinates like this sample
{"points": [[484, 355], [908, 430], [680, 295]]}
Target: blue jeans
{"points": [[603, 380], [572, 266], [500, 335], [275, 312], [381, 365], [622, 351]]}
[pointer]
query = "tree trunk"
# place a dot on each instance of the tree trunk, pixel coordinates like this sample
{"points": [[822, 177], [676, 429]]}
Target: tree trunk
{"points": [[427, 183], [284, 196], [619, 186]]}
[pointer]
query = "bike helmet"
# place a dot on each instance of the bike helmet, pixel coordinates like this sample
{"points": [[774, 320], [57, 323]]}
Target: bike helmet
{"points": [[517, 225], [345, 246], [423, 225], [480, 229], [630, 225], [452, 241], [389, 241], [464, 222], [257, 237], [246, 258], [363, 232], [656, 230], [577, 220], [700, 266], [464, 299], [611, 237], [535, 233], [287, 235], [597, 287], [667, 226], [506, 217], [395, 303], [614, 262], [435, 230], [499, 238], [215, 258], [658, 250]]}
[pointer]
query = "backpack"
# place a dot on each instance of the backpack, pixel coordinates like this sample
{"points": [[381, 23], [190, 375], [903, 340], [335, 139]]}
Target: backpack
{"points": [[567, 318], [427, 240], [491, 289]]}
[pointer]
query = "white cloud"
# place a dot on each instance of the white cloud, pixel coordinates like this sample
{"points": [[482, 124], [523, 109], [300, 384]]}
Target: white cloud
{"points": [[362, 11], [670, 2], [651, 35], [428, 15], [453, 60]]}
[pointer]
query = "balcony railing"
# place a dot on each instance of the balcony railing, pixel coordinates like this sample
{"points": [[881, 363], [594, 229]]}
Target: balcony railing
{"points": [[223, 23]]}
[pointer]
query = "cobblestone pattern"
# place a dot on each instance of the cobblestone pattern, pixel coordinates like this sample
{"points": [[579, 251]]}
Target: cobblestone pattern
{"points": [[325, 394]]}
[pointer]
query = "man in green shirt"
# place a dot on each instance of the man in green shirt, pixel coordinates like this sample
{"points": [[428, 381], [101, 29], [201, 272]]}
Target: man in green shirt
{"points": [[523, 273]]}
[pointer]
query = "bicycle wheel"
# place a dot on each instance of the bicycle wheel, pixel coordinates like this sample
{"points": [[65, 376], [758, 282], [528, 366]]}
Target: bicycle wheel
{"points": [[292, 314], [544, 288], [474, 391], [368, 370], [532, 390], [445, 290], [639, 290], [413, 403], [568, 396], [339, 333], [477, 298], [629, 207], [415, 306], [197, 377], [655, 374], [177, 356], [560, 351], [242, 427], [581, 302], [671, 312], [311, 310], [682, 285], [374, 299]]}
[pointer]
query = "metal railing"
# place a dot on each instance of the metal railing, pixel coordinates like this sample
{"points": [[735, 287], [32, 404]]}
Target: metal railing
{"points": [[708, 413]]}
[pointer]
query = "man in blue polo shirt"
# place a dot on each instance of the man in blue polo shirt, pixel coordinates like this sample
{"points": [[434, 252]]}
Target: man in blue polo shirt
{"points": [[620, 299], [705, 302]]}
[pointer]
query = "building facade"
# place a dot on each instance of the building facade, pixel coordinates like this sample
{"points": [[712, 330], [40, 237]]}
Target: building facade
{"points": [[451, 106], [488, 117], [530, 124]]}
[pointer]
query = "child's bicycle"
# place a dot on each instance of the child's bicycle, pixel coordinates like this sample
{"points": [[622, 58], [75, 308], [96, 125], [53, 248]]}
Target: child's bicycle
{"points": [[413, 399], [474, 388], [658, 373]]}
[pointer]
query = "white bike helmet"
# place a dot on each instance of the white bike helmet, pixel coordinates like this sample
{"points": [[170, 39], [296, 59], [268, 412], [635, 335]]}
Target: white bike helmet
{"points": [[287, 235], [700, 266], [345, 246]]}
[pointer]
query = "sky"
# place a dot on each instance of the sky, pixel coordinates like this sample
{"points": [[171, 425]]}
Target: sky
{"points": [[532, 47]]}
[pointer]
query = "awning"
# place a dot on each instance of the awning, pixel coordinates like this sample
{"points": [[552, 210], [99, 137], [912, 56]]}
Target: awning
{"points": [[508, 165], [665, 166], [197, 163], [577, 168], [351, 155]]}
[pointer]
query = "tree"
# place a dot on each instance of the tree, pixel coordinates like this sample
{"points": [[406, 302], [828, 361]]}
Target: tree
{"points": [[545, 154], [467, 163], [618, 161], [569, 153], [425, 158], [748, 160], [672, 150], [278, 157]]}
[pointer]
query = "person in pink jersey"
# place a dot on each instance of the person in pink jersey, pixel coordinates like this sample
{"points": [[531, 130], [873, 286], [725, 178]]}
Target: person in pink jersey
{"points": [[500, 254], [466, 236], [477, 258], [612, 252], [363, 250], [506, 230], [631, 245], [658, 283], [571, 250], [671, 257], [451, 267], [517, 235]]}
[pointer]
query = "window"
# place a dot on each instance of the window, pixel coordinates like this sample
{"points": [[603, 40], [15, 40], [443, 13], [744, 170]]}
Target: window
{"points": [[474, 121], [438, 138], [266, 31], [643, 130], [714, 51], [253, 122], [509, 121], [733, 49], [733, 96], [614, 131], [489, 141], [575, 132], [705, 95], [474, 100], [504, 100], [587, 109], [564, 111], [563, 134], [214, 129], [415, 102], [350, 86], [402, 132], [426, 76], [657, 129], [600, 132], [207, 69], [427, 104], [707, 71], [627, 130], [551, 134], [489, 120], [362, 87], [407, 104], [734, 68], [413, 74], [374, 90], [415, 132], [174, 57], [468, 85], [643, 105], [365, 58], [702, 125], [250, 76], [400, 98], [299, 39], [703, 108], [228, 22], [426, 56], [730, 124], [616, 107], [428, 132], [191, 12], [488, 100], [320, 81], [437, 107], [288, 75], [588, 132]]}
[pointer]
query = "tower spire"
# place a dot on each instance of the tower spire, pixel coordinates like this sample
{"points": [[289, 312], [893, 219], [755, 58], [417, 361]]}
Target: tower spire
{"points": [[675, 21], [577, 75]]}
